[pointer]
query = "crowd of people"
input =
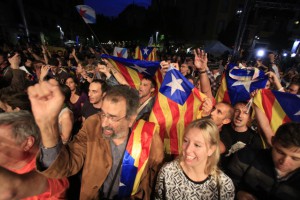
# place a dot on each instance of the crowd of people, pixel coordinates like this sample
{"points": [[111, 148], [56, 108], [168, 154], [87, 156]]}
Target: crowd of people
{"points": [[67, 117]]}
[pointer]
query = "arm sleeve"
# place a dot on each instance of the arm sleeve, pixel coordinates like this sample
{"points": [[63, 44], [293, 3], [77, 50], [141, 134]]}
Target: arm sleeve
{"points": [[112, 81], [238, 167], [49, 155], [69, 160]]}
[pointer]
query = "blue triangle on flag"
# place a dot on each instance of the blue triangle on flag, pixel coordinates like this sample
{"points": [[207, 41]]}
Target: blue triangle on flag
{"points": [[176, 87], [290, 103], [146, 51]]}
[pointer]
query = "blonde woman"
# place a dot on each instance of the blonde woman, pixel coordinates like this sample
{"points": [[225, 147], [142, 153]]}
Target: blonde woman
{"points": [[195, 174]]}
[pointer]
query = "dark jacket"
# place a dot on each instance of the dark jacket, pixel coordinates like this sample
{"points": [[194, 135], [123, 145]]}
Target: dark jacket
{"points": [[253, 171]]}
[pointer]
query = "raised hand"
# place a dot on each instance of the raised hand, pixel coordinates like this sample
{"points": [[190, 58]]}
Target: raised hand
{"points": [[46, 102], [103, 69], [253, 93], [44, 71], [73, 52], [200, 60], [164, 67], [274, 80], [207, 107]]}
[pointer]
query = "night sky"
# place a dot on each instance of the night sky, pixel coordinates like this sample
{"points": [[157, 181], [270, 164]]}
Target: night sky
{"points": [[112, 8]]}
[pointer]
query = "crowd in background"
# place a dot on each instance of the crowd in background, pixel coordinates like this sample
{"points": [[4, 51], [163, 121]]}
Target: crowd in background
{"points": [[209, 166]]}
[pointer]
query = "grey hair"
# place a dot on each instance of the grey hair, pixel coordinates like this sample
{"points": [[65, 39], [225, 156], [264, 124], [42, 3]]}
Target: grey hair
{"points": [[22, 125]]}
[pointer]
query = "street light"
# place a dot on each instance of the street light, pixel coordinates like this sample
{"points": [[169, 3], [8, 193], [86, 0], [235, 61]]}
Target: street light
{"points": [[156, 36], [93, 40], [260, 53], [239, 11]]}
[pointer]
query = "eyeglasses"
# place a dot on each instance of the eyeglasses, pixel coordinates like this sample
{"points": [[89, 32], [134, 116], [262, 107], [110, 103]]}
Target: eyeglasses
{"points": [[110, 118]]}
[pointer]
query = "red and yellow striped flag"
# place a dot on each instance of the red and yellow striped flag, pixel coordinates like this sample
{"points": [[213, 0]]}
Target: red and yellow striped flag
{"points": [[222, 94], [146, 53], [136, 157], [279, 107], [177, 104], [134, 70]]}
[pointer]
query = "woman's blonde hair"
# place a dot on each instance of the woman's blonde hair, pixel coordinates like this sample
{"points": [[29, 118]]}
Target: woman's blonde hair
{"points": [[210, 133]]}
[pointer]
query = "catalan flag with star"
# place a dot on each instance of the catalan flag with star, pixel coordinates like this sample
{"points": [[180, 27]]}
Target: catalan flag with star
{"points": [[238, 82], [145, 53], [134, 70], [279, 107], [177, 104], [136, 157]]}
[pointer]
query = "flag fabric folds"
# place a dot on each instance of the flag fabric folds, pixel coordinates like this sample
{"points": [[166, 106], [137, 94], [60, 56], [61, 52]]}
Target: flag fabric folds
{"points": [[120, 52], [177, 104], [237, 83], [136, 157], [279, 107], [146, 53], [133, 70], [87, 13]]}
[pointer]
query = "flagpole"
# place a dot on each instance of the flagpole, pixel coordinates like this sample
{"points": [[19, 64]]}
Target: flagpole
{"points": [[94, 35], [96, 38]]}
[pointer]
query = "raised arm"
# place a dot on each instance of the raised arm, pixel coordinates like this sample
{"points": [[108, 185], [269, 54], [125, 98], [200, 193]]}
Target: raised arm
{"points": [[274, 79], [74, 55], [46, 101], [200, 62], [44, 71], [264, 124], [119, 77], [66, 121], [45, 54], [34, 55]]}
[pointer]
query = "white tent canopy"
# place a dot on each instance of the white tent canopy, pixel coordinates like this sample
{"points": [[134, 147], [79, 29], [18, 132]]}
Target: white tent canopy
{"points": [[216, 48]]}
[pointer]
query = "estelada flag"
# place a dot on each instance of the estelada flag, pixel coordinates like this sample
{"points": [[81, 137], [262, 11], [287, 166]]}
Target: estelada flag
{"points": [[136, 157], [134, 70], [177, 104], [237, 83], [145, 53], [279, 107], [87, 13]]}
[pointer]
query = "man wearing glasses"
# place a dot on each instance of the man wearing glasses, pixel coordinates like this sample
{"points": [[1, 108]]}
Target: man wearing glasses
{"points": [[99, 146]]}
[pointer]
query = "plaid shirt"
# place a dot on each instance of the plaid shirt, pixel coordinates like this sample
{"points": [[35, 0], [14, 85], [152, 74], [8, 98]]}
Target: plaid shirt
{"points": [[214, 82]]}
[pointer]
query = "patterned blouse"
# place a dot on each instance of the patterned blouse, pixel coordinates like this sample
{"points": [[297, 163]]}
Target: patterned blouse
{"points": [[173, 183]]}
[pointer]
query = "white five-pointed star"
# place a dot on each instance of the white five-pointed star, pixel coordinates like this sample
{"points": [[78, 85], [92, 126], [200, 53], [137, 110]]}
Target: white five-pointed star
{"points": [[140, 69], [246, 84], [145, 51], [175, 84]]}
